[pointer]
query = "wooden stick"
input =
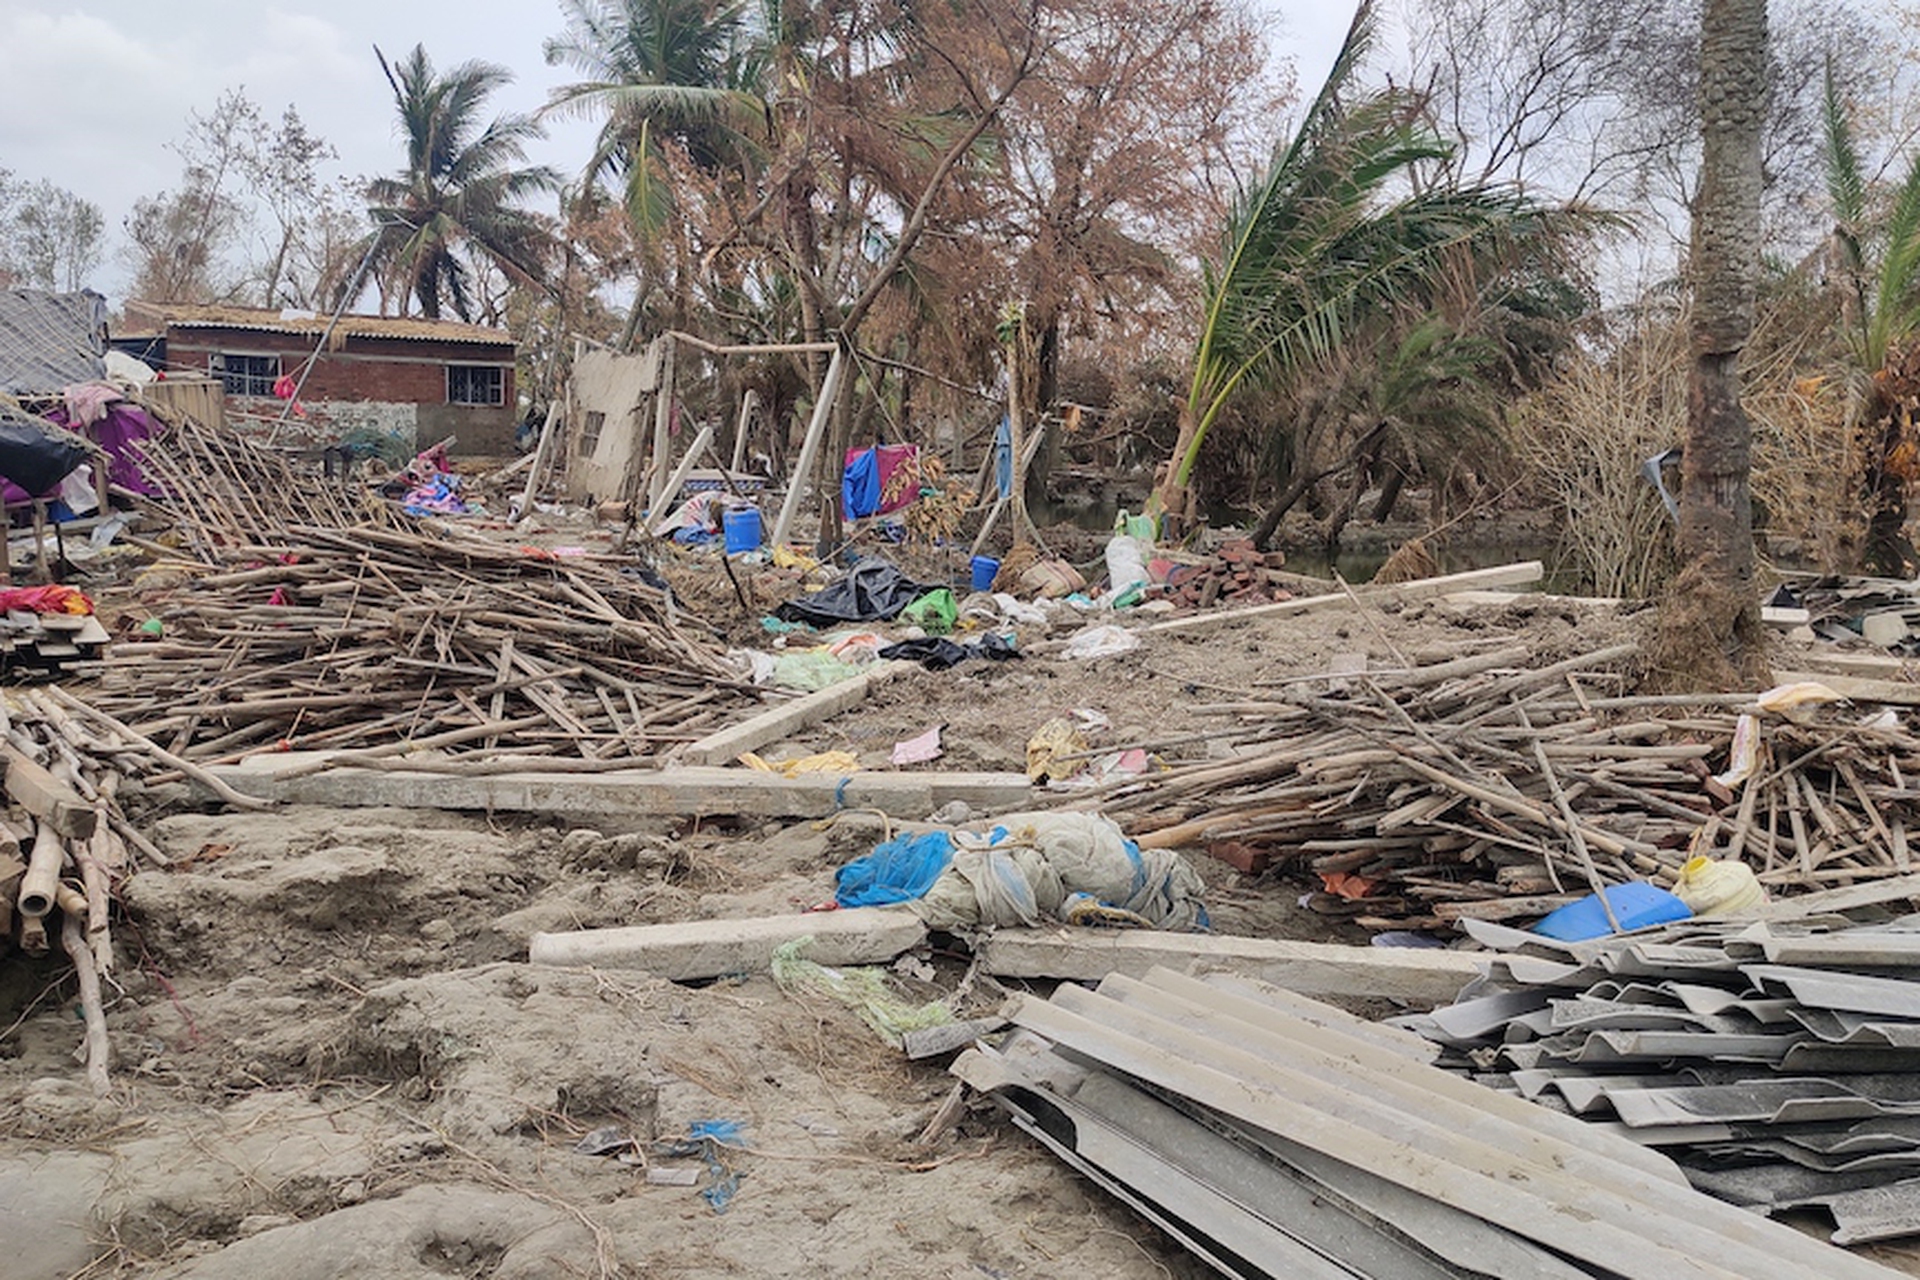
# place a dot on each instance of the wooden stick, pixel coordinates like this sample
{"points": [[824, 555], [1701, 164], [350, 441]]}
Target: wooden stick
{"points": [[99, 1049], [160, 753]]}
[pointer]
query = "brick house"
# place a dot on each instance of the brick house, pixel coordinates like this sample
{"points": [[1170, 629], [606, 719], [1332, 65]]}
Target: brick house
{"points": [[419, 381]]}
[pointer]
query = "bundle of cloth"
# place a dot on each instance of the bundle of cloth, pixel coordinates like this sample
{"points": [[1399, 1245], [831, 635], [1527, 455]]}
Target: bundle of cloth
{"points": [[1030, 868]]}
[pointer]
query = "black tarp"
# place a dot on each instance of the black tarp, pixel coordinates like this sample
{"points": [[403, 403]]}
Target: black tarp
{"points": [[872, 591], [35, 454]]}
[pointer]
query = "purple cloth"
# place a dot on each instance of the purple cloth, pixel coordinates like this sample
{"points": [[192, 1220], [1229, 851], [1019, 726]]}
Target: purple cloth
{"points": [[120, 434]]}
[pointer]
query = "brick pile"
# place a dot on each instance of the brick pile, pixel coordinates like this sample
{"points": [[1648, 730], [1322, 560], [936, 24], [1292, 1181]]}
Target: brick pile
{"points": [[1238, 574]]}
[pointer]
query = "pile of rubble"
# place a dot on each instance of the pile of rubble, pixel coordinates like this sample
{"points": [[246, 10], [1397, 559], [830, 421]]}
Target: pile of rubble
{"points": [[1237, 574]]}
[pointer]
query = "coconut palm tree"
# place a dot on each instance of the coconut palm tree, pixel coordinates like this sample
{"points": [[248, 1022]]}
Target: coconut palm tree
{"points": [[659, 71], [1878, 263], [1335, 235], [459, 198]]}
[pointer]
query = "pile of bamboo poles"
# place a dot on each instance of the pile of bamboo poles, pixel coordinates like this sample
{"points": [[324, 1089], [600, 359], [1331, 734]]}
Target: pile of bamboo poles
{"points": [[311, 616], [65, 844], [1496, 788]]}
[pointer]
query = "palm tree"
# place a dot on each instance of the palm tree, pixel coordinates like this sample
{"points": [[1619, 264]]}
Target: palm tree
{"points": [[459, 197], [659, 71], [1333, 236], [1879, 265]]}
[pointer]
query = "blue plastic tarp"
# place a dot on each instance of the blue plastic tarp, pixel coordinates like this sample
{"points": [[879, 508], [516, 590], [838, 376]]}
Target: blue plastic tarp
{"points": [[860, 485], [900, 870]]}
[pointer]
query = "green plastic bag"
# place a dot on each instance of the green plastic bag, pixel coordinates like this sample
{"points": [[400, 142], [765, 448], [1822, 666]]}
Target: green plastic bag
{"points": [[934, 613], [1141, 526]]}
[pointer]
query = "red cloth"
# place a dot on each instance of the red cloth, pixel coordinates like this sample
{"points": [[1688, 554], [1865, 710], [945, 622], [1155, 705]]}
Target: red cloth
{"points": [[52, 599]]}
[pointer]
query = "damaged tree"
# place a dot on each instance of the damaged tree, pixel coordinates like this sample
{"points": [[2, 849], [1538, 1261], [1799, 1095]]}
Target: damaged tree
{"points": [[1710, 620]]}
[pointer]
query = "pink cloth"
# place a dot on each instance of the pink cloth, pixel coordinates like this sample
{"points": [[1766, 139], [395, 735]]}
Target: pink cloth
{"points": [[89, 402]]}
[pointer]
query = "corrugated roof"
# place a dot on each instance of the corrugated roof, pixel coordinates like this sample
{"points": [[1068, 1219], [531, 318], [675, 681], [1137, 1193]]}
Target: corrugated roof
{"points": [[198, 316], [50, 340]]}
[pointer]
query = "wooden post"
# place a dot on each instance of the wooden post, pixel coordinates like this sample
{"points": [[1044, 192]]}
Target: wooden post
{"points": [[816, 428], [539, 463], [671, 488], [662, 424], [748, 403]]}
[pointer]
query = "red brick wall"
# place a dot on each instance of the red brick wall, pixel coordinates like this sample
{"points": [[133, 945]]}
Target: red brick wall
{"points": [[369, 370]]}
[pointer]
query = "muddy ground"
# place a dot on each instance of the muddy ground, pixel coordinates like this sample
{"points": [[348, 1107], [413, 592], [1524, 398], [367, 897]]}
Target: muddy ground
{"points": [[332, 1059]]}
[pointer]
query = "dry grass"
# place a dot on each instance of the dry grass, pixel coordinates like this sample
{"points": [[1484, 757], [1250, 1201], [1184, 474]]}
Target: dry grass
{"points": [[1585, 436], [1583, 439]]}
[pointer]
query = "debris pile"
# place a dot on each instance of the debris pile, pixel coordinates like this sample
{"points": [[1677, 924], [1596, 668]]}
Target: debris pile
{"points": [[1489, 787], [1274, 1136], [312, 617], [65, 843], [1237, 574], [46, 629], [1777, 1061]]}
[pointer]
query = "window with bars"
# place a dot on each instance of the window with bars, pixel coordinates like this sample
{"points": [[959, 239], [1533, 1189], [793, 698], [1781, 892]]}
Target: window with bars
{"points": [[476, 384], [590, 432], [244, 375]]}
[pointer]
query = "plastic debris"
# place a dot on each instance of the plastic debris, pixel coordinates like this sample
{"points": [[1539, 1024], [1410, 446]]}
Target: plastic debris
{"points": [[821, 762], [1635, 905], [898, 870], [918, 749], [1720, 887], [1103, 641], [863, 989], [1057, 738]]}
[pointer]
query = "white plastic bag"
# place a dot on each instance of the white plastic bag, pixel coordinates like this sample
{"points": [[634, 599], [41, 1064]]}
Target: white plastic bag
{"points": [[1126, 565], [1100, 642]]}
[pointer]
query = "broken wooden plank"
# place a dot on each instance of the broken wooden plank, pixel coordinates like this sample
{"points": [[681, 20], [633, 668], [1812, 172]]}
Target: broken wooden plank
{"points": [[702, 791], [1414, 976], [46, 797], [778, 723], [1510, 575], [1857, 688], [690, 950]]}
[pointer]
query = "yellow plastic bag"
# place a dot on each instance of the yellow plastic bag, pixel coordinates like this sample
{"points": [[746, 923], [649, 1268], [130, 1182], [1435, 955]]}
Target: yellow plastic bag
{"points": [[1719, 888], [824, 762], [1057, 737]]}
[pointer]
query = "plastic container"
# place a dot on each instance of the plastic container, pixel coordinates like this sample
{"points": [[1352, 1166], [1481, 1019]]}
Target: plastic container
{"points": [[985, 570], [1636, 906], [1719, 888], [740, 527]]}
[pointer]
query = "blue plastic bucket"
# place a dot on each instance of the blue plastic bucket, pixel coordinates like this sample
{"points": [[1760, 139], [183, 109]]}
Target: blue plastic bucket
{"points": [[985, 570], [740, 527]]}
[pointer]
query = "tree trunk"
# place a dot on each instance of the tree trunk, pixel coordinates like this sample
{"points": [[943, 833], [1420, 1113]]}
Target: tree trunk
{"points": [[1390, 489], [1709, 629], [1173, 496], [1886, 444]]}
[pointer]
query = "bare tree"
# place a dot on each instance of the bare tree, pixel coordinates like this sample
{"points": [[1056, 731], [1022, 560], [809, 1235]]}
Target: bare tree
{"points": [[179, 238], [50, 238]]}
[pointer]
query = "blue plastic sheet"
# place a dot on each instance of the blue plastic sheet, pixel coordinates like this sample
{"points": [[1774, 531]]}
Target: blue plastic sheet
{"points": [[900, 870], [860, 485], [1635, 904]]}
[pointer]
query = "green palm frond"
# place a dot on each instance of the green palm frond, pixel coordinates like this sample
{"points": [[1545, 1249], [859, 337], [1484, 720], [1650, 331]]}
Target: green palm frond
{"points": [[462, 186]]}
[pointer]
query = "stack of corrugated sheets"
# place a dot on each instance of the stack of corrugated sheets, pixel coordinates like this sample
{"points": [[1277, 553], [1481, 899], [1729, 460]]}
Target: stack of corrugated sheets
{"points": [[1275, 1136], [1778, 1063]]}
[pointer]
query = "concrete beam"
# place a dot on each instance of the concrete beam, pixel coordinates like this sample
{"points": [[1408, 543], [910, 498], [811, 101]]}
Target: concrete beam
{"points": [[776, 724], [694, 949], [689, 792], [1508, 575]]}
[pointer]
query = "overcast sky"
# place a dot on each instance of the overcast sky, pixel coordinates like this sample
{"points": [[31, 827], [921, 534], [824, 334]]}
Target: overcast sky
{"points": [[94, 90]]}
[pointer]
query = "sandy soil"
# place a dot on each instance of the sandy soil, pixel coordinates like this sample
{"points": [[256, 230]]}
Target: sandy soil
{"points": [[333, 1060]]}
